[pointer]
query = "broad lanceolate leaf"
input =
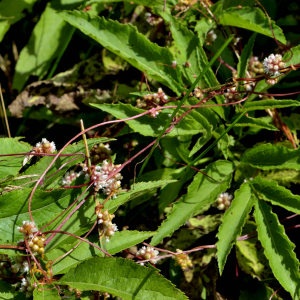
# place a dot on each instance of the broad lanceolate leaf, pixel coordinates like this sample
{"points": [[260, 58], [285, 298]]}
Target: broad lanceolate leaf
{"points": [[7, 291], [190, 125], [223, 143], [188, 45], [277, 195], [36, 57], [125, 41], [39, 167], [278, 248], [136, 190], [254, 122], [270, 156], [120, 241], [244, 59], [251, 18], [10, 165], [48, 292], [14, 209], [85, 216], [11, 12], [202, 191], [121, 277], [233, 222], [269, 104]]}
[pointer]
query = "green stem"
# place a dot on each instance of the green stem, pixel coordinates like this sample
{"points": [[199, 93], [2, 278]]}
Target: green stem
{"points": [[183, 100], [214, 143]]}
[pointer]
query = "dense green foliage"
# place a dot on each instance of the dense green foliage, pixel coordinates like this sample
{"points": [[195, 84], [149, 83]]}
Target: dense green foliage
{"points": [[175, 169]]}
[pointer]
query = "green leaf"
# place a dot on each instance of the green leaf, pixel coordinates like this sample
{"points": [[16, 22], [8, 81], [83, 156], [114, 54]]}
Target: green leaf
{"points": [[171, 191], [135, 191], [36, 57], [53, 181], [233, 222], [254, 122], [251, 18], [121, 277], [278, 248], [244, 59], [82, 220], [209, 190], [270, 156], [14, 209], [6, 291], [223, 143], [190, 50], [10, 165], [48, 292], [120, 241], [147, 126], [126, 42], [250, 254], [11, 11], [277, 195], [269, 104]]}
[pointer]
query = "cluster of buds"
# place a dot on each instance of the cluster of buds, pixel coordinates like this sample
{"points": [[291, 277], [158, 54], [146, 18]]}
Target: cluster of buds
{"points": [[37, 244], [184, 4], [100, 175], [211, 37], [255, 67], [105, 224], [148, 253], [3, 262], [198, 92], [28, 228], [152, 19], [21, 265], [271, 81], [100, 152], [69, 177], [153, 113], [223, 201], [249, 85], [182, 260], [272, 64], [152, 100], [26, 287], [45, 147], [231, 95], [187, 64]]}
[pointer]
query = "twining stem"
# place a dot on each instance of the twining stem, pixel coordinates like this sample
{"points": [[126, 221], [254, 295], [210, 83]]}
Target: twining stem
{"points": [[71, 213], [168, 123], [87, 152]]}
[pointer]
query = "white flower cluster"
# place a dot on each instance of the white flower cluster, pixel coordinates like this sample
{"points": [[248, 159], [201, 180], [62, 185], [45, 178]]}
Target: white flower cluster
{"points": [[21, 265], [160, 98], [69, 177], [198, 92], [148, 253], [28, 228], [100, 175], [45, 146], [26, 287], [223, 201], [272, 64], [271, 81], [231, 95]]}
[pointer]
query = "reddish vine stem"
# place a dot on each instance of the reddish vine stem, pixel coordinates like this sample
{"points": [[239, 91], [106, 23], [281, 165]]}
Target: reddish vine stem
{"points": [[78, 237], [70, 214]]}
